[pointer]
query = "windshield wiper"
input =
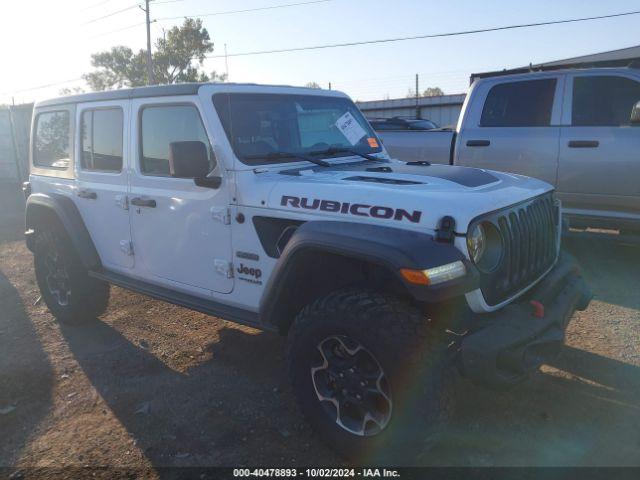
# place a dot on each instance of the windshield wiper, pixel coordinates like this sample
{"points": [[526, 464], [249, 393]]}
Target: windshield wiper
{"points": [[280, 155], [335, 150]]}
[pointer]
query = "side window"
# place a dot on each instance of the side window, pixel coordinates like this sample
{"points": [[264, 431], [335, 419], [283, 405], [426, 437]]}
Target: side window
{"points": [[519, 104], [51, 146], [162, 125], [101, 140], [603, 100]]}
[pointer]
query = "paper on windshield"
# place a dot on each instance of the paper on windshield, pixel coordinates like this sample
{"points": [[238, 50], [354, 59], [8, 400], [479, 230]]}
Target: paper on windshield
{"points": [[350, 128]]}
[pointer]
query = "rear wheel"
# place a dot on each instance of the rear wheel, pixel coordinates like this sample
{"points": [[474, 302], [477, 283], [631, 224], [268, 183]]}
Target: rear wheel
{"points": [[70, 293], [370, 375]]}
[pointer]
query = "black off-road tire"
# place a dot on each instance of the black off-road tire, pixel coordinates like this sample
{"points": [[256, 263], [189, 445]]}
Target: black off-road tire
{"points": [[83, 298], [407, 348]]}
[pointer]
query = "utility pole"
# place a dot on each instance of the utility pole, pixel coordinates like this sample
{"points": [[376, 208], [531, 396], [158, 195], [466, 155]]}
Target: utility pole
{"points": [[226, 62], [417, 96], [150, 78]]}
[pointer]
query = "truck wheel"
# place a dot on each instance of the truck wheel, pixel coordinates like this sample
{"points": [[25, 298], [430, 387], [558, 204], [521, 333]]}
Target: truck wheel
{"points": [[370, 375], [70, 293]]}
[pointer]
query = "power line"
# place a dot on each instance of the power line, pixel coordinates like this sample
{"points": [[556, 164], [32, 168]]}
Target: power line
{"points": [[229, 12], [89, 7], [39, 87], [131, 7], [120, 29], [419, 37]]}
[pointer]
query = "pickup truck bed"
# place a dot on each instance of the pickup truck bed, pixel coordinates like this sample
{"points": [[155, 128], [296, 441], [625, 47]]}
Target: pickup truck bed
{"points": [[435, 146]]}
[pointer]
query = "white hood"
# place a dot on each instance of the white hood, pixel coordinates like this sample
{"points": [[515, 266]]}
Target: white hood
{"points": [[400, 195]]}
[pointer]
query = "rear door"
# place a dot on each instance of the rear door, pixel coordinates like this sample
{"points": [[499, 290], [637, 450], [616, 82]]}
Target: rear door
{"points": [[599, 172], [513, 126], [102, 172]]}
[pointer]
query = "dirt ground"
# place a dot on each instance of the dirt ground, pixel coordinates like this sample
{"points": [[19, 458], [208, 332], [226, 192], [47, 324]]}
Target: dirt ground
{"points": [[152, 385]]}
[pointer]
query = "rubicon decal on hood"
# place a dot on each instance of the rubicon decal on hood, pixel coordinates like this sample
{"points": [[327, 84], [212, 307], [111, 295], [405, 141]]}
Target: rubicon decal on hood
{"points": [[359, 209]]}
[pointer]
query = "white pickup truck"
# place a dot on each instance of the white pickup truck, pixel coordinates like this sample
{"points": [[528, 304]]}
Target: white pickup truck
{"points": [[578, 129]]}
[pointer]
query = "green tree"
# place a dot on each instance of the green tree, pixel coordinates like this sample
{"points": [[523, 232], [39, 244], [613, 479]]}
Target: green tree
{"points": [[433, 92], [429, 92], [177, 57]]}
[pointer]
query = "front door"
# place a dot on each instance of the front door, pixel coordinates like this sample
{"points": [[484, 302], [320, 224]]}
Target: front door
{"points": [[515, 129], [181, 233], [102, 180], [599, 168]]}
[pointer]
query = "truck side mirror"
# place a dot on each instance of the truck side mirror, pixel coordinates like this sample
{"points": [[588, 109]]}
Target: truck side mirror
{"points": [[635, 114], [188, 159]]}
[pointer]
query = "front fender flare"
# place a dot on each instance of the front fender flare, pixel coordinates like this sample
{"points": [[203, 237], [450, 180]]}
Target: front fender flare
{"points": [[391, 248]]}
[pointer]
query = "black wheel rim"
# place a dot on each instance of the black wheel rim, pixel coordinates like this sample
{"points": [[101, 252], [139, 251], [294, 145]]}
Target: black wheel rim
{"points": [[351, 386], [57, 278]]}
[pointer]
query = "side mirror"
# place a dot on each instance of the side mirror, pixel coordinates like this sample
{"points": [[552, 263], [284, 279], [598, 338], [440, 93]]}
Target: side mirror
{"points": [[188, 159], [635, 114]]}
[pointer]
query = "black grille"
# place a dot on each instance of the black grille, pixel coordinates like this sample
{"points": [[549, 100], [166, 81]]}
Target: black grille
{"points": [[529, 233]]}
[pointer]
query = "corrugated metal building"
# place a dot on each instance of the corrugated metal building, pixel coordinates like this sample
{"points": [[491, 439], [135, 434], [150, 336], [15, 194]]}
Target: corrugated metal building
{"points": [[15, 123], [444, 110], [8, 164]]}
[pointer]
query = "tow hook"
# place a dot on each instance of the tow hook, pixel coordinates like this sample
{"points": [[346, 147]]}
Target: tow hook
{"points": [[538, 308]]}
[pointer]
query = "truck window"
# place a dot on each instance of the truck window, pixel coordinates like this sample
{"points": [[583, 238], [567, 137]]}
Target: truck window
{"points": [[162, 125], [102, 140], [519, 104], [603, 100], [51, 146]]}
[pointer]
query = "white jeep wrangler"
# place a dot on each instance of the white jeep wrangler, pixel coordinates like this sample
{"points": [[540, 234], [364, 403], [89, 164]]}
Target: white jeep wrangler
{"points": [[279, 208]]}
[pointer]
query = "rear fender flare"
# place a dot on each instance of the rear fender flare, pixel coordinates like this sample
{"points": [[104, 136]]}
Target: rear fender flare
{"points": [[43, 207]]}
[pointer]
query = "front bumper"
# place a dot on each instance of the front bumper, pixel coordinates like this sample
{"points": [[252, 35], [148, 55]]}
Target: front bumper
{"points": [[511, 343]]}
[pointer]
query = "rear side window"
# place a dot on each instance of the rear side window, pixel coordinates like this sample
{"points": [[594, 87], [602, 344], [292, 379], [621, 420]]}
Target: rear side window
{"points": [[519, 104], [102, 140], [51, 146], [163, 125], [603, 100]]}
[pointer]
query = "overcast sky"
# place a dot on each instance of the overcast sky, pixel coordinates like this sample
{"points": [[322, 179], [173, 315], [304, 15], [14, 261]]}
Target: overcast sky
{"points": [[44, 41]]}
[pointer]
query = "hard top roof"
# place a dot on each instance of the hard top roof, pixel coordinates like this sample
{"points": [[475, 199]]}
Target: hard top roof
{"points": [[151, 91]]}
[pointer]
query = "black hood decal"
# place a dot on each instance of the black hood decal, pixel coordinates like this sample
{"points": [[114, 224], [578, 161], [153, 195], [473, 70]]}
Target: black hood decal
{"points": [[465, 176]]}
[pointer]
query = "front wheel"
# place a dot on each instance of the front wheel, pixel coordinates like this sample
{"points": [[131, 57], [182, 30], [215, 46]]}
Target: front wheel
{"points": [[370, 375]]}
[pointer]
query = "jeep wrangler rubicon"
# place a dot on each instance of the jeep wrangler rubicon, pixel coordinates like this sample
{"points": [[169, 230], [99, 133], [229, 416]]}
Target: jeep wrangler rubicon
{"points": [[279, 208]]}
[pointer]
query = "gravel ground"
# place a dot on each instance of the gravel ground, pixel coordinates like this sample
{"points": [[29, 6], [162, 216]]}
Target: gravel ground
{"points": [[152, 385]]}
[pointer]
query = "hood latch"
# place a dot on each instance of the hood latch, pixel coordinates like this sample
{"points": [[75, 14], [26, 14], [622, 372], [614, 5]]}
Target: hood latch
{"points": [[446, 229]]}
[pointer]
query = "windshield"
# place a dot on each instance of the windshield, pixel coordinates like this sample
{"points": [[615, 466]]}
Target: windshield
{"points": [[261, 126]]}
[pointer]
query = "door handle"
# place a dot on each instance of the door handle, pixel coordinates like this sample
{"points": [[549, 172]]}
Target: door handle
{"points": [[584, 144], [478, 143], [143, 202], [87, 194]]}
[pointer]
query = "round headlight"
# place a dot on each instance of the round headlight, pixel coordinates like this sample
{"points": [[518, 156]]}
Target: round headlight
{"points": [[476, 243], [485, 246]]}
